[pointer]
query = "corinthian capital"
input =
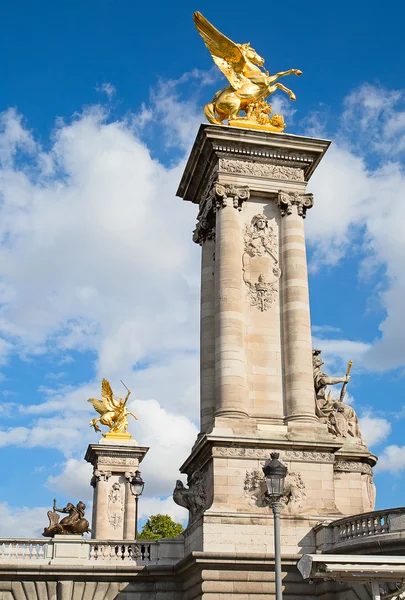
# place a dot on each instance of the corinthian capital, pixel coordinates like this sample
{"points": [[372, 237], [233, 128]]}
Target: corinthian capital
{"points": [[286, 200], [226, 193]]}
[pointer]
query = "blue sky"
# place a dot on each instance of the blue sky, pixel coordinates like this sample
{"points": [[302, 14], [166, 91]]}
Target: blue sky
{"points": [[100, 103]]}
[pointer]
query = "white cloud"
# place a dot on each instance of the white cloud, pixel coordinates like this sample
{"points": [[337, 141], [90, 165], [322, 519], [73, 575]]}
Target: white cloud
{"points": [[374, 429], [106, 88], [73, 481], [392, 459], [22, 522], [163, 506]]}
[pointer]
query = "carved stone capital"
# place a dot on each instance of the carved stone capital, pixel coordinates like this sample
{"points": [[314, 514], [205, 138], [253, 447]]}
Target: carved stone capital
{"points": [[129, 475], [99, 476], [226, 193], [286, 200]]}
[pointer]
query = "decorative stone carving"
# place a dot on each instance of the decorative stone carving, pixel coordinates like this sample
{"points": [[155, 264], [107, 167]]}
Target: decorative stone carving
{"points": [[225, 193], [263, 293], [115, 507], [247, 167], [352, 466], [294, 497], [286, 200], [261, 241], [195, 497], [340, 418], [260, 238], [289, 455], [111, 460], [99, 476]]}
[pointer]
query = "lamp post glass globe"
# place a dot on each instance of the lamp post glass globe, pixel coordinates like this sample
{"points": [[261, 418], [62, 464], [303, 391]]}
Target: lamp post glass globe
{"points": [[275, 473], [137, 484]]}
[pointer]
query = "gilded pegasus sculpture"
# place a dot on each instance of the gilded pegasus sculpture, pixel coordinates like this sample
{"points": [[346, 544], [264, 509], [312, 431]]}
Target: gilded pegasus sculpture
{"points": [[113, 411], [249, 84]]}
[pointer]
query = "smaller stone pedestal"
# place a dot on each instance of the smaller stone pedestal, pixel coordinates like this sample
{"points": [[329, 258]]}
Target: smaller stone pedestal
{"points": [[68, 549], [114, 464]]}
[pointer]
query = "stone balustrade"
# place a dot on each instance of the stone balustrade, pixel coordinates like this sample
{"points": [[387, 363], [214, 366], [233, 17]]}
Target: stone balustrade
{"points": [[361, 530], [72, 549]]}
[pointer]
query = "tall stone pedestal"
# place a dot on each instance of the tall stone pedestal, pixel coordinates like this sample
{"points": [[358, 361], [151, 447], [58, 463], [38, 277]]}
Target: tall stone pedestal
{"points": [[257, 377], [114, 464]]}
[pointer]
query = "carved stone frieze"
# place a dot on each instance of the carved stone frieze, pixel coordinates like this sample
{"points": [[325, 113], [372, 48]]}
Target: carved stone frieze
{"points": [[115, 506], [288, 455], [286, 200], [119, 460], [258, 169], [352, 466]]}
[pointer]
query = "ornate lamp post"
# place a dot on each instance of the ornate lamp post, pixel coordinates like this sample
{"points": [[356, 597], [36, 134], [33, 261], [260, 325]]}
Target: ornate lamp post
{"points": [[137, 484], [275, 473]]}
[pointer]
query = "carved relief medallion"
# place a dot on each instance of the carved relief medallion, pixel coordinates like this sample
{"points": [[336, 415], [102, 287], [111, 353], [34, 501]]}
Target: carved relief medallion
{"points": [[294, 497]]}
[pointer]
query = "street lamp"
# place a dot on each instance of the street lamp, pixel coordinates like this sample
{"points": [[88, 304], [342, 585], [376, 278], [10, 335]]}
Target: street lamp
{"points": [[275, 473], [136, 484]]}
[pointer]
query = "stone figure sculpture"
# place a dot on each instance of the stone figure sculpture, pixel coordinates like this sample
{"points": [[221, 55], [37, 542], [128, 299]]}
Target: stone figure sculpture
{"points": [[249, 85], [340, 418], [73, 524], [194, 497], [113, 411]]}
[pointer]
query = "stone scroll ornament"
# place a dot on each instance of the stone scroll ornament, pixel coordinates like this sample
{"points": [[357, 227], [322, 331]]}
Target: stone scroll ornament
{"points": [[260, 240], [73, 524]]}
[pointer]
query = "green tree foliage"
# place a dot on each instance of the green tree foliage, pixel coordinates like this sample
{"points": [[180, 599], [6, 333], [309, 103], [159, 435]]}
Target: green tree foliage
{"points": [[160, 526]]}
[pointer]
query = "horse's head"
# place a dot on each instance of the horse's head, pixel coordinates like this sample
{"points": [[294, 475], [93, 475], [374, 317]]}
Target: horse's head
{"points": [[250, 54]]}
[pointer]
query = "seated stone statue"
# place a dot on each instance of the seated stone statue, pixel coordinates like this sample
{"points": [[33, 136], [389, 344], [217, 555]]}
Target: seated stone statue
{"points": [[73, 524], [340, 418]]}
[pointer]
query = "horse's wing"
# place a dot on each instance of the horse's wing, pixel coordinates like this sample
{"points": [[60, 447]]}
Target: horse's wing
{"points": [[100, 406], [225, 53]]}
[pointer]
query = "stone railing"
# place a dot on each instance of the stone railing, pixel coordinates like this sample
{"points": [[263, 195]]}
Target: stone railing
{"points": [[362, 529], [78, 550]]}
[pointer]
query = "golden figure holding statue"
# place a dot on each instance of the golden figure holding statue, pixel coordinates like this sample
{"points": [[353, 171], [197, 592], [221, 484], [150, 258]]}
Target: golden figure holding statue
{"points": [[113, 412], [249, 84]]}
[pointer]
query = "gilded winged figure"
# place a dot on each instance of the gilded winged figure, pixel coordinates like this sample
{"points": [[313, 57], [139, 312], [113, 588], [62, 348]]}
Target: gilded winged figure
{"points": [[113, 411], [248, 85]]}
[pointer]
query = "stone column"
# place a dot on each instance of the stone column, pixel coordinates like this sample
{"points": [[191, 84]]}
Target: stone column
{"points": [[297, 342], [129, 511], [100, 525], [207, 335], [114, 462], [230, 354]]}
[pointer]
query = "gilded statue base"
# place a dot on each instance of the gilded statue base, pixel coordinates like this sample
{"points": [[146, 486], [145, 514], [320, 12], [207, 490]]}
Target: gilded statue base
{"points": [[252, 125], [111, 435]]}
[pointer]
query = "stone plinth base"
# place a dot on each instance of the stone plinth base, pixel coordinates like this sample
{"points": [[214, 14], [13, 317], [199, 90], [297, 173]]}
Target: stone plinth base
{"points": [[114, 464], [68, 550]]}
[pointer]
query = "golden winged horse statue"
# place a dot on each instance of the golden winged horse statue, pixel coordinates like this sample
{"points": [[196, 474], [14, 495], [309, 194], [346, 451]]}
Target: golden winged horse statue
{"points": [[113, 411], [249, 84]]}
